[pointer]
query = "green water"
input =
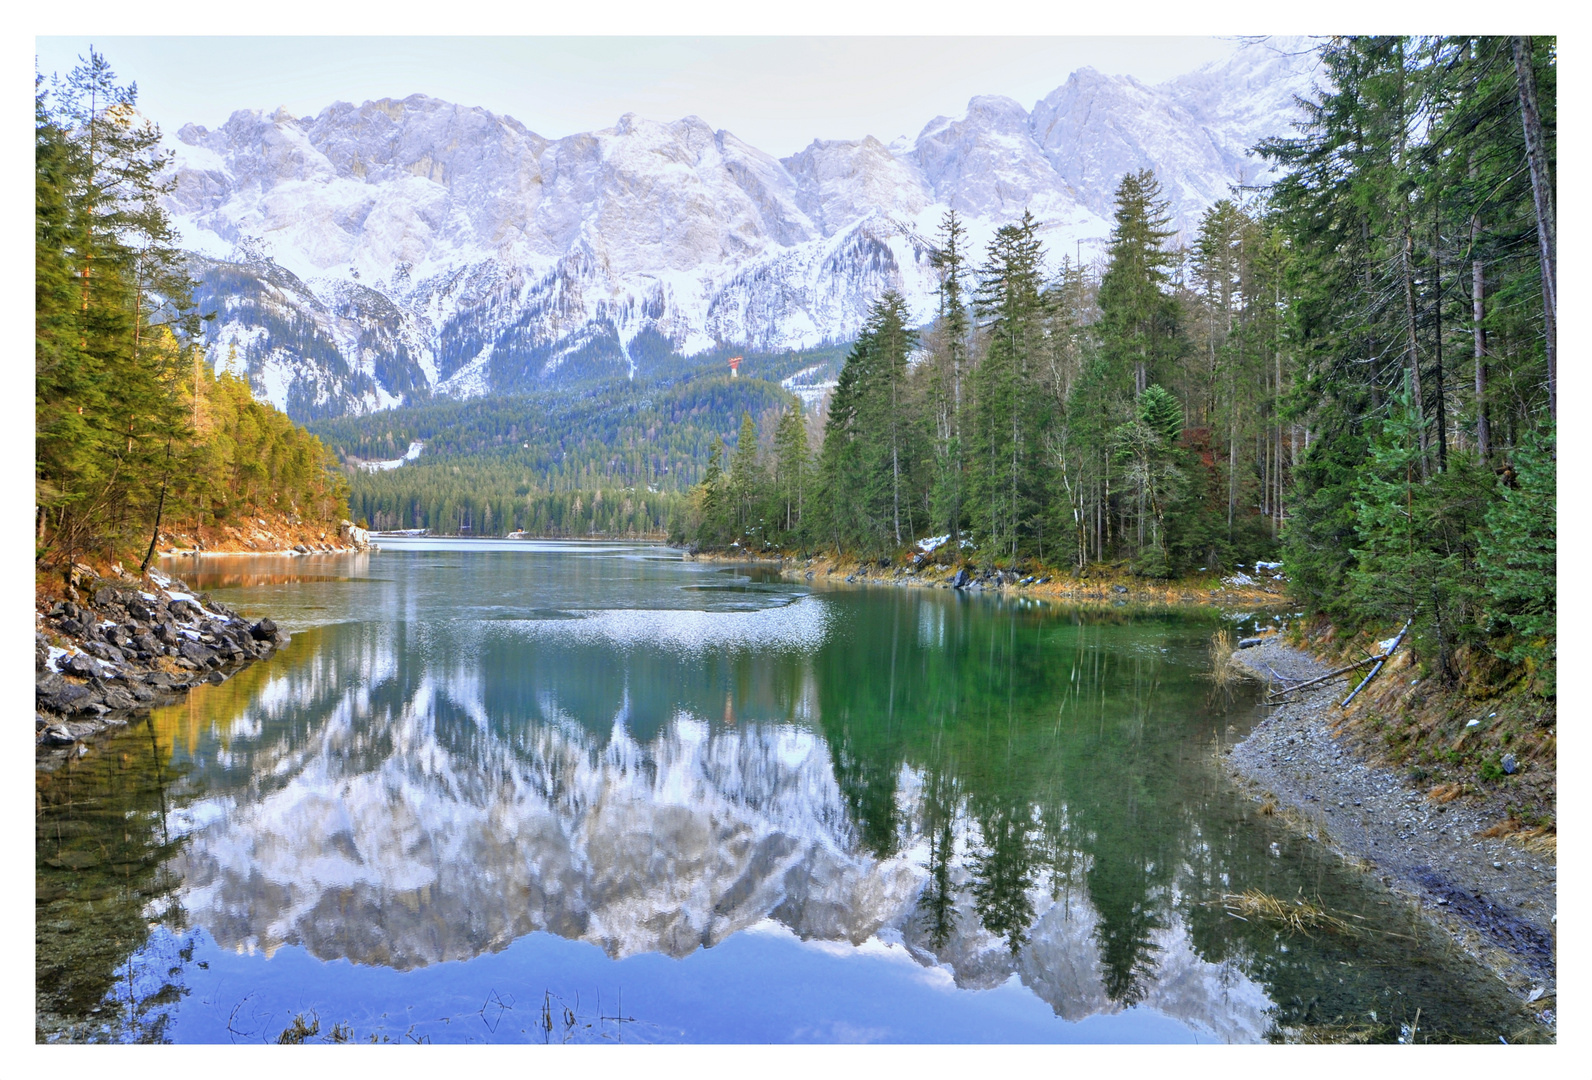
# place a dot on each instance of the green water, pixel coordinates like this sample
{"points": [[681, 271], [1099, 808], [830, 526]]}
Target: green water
{"points": [[562, 792]]}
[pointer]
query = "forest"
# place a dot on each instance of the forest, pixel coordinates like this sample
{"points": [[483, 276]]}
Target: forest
{"points": [[133, 430], [1353, 371], [614, 462]]}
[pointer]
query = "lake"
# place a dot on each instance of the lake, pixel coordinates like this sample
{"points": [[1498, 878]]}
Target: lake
{"points": [[578, 792]]}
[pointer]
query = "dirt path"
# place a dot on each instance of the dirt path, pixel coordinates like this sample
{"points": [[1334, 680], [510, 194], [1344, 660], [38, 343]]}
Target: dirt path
{"points": [[1495, 896]]}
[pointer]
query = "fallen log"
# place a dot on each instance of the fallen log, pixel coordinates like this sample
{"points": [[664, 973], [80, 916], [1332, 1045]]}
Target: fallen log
{"points": [[1329, 675], [1372, 674]]}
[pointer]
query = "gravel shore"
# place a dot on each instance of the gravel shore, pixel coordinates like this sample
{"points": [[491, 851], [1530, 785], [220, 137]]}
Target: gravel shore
{"points": [[1496, 897]]}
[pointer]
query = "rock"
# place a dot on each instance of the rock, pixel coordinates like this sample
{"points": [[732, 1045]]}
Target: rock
{"points": [[68, 697], [1250, 642], [104, 597], [138, 610], [78, 664], [1510, 765], [55, 735], [301, 549], [962, 579], [120, 700], [194, 652], [1119, 588]]}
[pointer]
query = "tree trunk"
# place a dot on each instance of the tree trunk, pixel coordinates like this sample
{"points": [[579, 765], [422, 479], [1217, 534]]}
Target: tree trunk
{"points": [[1542, 200], [1478, 285], [1437, 338], [1414, 352]]}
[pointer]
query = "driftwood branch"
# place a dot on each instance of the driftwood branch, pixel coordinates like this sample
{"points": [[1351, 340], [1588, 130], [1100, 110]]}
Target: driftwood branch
{"points": [[1328, 675], [1372, 674]]}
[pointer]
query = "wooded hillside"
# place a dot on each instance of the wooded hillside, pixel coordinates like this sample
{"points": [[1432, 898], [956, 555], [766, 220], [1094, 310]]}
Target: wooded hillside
{"points": [[132, 428]]}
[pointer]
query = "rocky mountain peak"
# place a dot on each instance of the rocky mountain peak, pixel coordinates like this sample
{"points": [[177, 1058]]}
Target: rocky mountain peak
{"points": [[499, 248]]}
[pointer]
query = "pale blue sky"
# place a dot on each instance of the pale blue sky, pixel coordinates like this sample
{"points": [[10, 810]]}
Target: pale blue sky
{"points": [[778, 93]]}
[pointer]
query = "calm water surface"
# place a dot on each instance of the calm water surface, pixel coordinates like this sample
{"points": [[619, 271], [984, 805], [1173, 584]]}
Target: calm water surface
{"points": [[569, 792]]}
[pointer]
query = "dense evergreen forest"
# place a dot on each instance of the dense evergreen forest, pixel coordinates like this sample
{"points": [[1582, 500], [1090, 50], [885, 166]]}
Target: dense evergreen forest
{"points": [[1354, 369], [132, 429], [613, 462]]}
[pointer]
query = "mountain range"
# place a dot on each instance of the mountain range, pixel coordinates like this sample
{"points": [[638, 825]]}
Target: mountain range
{"points": [[378, 254]]}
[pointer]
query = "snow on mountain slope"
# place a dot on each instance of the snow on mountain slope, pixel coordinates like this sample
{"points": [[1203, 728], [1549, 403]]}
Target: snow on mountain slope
{"points": [[397, 248]]}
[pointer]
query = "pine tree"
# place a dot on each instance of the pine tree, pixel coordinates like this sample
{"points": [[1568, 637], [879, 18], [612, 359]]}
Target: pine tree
{"points": [[746, 484], [950, 358], [1006, 463], [791, 469], [1138, 317]]}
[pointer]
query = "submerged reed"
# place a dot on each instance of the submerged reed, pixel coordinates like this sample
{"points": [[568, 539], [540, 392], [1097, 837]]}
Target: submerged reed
{"points": [[1298, 914]]}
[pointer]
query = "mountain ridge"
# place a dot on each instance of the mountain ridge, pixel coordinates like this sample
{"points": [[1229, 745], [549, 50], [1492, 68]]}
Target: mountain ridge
{"points": [[440, 248]]}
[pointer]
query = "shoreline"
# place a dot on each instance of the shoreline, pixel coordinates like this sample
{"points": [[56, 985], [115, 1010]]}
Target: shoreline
{"points": [[1496, 898], [125, 645], [1098, 586]]}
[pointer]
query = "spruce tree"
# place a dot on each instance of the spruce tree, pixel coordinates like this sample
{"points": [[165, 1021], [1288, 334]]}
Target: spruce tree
{"points": [[1005, 467], [1138, 316]]}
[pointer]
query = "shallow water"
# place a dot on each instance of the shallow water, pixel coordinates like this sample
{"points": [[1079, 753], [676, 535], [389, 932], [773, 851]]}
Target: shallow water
{"points": [[574, 792]]}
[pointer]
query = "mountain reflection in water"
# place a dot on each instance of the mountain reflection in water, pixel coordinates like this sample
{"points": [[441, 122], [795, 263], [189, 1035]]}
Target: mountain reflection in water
{"points": [[458, 759], [407, 814]]}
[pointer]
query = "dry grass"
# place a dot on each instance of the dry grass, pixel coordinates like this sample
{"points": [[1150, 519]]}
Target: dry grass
{"points": [[1298, 914], [1542, 841], [1444, 793], [1225, 670], [1506, 827]]}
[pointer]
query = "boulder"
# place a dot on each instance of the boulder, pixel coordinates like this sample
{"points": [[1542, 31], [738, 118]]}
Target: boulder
{"points": [[264, 630], [78, 664], [119, 700], [66, 697], [194, 653], [56, 735], [962, 579]]}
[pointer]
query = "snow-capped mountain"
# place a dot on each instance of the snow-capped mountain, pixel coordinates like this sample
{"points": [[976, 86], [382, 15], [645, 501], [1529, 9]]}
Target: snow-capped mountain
{"points": [[374, 252]]}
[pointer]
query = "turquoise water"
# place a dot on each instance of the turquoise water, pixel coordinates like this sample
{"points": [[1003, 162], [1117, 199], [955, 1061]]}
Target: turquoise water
{"points": [[576, 792]]}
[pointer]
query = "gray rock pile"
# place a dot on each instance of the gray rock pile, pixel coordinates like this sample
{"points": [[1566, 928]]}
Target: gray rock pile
{"points": [[122, 649]]}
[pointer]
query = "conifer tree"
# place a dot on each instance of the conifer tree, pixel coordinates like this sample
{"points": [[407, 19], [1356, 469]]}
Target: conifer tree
{"points": [[950, 359], [791, 469], [1138, 316], [1004, 468]]}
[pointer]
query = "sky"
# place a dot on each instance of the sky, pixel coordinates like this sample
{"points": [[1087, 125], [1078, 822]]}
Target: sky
{"points": [[777, 93]]}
